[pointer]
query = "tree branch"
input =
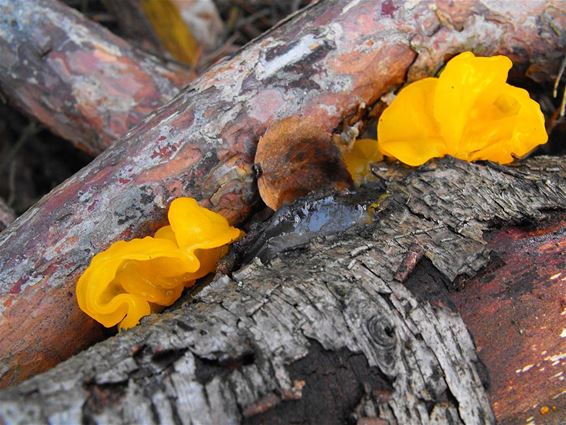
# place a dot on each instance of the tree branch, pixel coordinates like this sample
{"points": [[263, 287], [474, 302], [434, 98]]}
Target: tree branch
{"points": [[78, 79]]}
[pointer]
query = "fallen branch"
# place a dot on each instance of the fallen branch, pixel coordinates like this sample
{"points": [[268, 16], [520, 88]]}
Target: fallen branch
{"points": [[325, 64], [78, 79], [326, 334]]}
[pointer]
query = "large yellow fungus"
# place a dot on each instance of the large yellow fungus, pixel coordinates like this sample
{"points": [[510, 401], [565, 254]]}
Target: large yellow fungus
{"points": [[469, 112], [132, 279]]}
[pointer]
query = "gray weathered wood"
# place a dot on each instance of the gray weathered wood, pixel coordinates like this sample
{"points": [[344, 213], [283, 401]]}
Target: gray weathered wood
{"points": [[334, 332]]}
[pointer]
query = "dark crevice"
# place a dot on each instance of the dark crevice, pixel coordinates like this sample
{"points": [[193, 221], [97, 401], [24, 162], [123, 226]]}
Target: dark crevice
{"points": [[175, 413], [334, 383], [428, 284], [208, 369], [165, 358], [154, 412]]}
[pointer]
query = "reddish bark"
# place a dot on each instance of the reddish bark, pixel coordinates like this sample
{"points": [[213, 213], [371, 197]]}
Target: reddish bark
{"points": [[515, 311], [325, 63], [77, 78]]}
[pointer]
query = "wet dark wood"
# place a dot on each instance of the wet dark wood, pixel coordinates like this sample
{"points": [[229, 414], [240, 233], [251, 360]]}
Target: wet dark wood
{"points": [[515, 310], [75, 77], [327, 62]]}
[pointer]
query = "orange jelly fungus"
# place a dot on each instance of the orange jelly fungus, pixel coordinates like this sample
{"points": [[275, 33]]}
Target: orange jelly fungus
{"points": [[358, 159], [469, 112], [132, 279]]}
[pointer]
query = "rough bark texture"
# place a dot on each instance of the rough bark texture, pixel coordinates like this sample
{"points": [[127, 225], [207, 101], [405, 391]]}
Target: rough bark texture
{"points": [[347, 329], [326, 63], [78, 79], [522, 344]]}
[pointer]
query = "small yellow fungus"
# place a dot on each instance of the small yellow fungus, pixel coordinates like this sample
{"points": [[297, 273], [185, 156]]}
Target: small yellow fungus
{"points": [[360, 156], [469, 112], [132, 279]]}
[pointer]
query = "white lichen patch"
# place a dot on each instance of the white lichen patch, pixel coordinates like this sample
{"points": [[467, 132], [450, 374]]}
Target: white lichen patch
{"points": [[303, 48]]}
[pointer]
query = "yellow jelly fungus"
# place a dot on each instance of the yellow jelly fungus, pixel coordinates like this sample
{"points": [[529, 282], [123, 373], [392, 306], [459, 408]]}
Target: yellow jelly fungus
{"points": [[360, 156], [469, 112], [132, 279]]}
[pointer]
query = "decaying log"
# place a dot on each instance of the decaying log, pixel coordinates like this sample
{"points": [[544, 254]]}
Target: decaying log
{"points": [[78, 79], [326, 63], [344, 330], [515, 311]]}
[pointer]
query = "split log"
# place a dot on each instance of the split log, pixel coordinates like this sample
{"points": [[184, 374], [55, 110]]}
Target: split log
{"points": [[78, 79], [350, 328], [325, 64]]}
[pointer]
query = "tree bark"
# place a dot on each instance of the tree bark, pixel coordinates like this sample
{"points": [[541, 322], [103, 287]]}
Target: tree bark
{"points": [[327, 63], [349, 328], [78, 79]]}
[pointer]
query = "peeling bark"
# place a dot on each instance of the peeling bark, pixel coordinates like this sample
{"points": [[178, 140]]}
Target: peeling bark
{"points": [[78, 79], [326, 62], [323, 334]]}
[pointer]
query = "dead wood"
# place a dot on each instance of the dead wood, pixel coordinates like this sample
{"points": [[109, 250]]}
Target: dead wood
{"points": [[326, 63], [515, 312], [78, 79], [323, 334]]}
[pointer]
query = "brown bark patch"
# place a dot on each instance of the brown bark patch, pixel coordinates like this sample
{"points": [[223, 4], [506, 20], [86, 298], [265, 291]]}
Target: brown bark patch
{"points": [[295, 157]]}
